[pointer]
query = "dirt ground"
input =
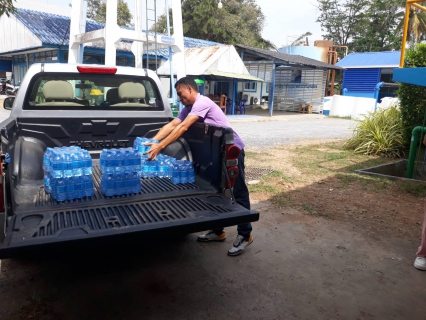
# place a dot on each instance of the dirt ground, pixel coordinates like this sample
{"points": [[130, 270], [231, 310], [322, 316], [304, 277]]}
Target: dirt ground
{"points": [[330, 244]]}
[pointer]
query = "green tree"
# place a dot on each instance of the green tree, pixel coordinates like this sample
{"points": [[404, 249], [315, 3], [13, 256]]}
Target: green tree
{"points": [[416, 26], [238, 22], [7, 7], [379, 30], [96, 10], [363, 25], [413, 97], [341, 20]]}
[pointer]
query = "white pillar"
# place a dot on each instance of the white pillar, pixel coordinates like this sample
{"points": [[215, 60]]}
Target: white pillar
{"points": [[76, 17], [111, 32], [137, 46], [179, 57]]}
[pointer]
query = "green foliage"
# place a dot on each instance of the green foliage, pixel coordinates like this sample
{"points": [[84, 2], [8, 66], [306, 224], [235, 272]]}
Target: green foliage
{"points": [[413, 97], [363, 25], [96, 10], [238, 22], [7, 7], [379, 133]]}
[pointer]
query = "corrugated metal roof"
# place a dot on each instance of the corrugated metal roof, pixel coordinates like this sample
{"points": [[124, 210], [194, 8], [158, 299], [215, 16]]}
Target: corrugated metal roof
{"points": [[387, 59], [54, 29], [221, 61], [289, 59]]}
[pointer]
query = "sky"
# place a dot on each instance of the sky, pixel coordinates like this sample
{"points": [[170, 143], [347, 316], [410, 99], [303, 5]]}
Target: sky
{"points": [[285, 19]]}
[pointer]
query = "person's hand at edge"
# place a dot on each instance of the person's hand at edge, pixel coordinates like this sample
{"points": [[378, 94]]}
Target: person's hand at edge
{"points": [[155, 149]]}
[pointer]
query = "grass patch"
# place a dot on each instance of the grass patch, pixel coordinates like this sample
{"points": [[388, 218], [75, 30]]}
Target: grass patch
{"points": [[338, 117]]}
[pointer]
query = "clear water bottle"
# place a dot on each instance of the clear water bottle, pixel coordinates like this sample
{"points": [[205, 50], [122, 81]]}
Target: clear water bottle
{"points": [[118, 184], [60, 194], [183, 173], [88, 186], [47, 179], [136, 161], [176, 173], [153, 169], [109, 162], [87, 163], [68, 164], [146, 169], [191, 173], [102, 160], [162, 169], [107, 184], [136, 182], [77, 163], [127, 161], [46, 159], [56, 164], [79, 186], [127, 182], [69, 188]]}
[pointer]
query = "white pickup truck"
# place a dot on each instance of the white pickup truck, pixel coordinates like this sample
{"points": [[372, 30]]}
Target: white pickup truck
{"points": [[63, 105]]}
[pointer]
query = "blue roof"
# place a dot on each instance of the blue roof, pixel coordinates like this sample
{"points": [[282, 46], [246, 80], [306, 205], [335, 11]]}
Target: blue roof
{"points": [[387, 59], [54, 29]]}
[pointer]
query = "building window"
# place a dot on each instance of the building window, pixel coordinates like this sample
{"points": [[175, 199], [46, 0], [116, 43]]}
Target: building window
{"points": [[121, 61], [46, 56], [250, 86]]}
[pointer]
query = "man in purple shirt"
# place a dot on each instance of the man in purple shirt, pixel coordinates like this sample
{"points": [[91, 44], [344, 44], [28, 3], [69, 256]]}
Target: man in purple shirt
{"points": [[199, 108]]}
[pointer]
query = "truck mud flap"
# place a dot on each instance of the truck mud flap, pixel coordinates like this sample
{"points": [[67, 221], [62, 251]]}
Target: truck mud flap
{"points": [[151, 218]]}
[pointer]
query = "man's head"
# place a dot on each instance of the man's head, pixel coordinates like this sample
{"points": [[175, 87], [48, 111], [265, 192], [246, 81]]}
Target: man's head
{"points": [[187, 90]]}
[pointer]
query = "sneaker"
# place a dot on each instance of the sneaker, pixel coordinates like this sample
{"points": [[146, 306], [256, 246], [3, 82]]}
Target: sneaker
{"points": [[420, 263], [240, 244], [211, 236]]}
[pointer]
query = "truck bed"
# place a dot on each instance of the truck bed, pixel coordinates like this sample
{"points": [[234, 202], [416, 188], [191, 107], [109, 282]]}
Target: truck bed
{"points": [[34, 198]]}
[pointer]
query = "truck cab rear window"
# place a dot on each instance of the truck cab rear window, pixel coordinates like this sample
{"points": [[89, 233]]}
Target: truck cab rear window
{"points": [[74, 91]]}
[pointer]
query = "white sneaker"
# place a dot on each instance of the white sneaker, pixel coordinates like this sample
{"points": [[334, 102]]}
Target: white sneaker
{"points": [[240, 244], [420, 263], [211, 236]]}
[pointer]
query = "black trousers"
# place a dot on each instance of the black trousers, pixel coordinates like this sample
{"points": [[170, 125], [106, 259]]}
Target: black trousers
{"points": [[242, 197]]}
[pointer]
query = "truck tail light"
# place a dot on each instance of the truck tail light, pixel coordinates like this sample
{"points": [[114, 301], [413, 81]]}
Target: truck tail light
{"points": [[96, 70], [232, 154]]}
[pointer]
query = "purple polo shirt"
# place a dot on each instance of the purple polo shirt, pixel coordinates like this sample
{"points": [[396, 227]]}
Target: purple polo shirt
{"points": [[209, 113]]}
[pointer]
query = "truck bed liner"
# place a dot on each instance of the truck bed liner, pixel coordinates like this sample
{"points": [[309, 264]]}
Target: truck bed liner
{"points": [[35, 199]]}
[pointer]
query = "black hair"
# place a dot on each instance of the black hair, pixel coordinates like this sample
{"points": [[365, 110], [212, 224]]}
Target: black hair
{"points": [[187, 82]]}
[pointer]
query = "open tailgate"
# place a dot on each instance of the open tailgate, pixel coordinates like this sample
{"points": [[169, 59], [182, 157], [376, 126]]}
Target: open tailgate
{"points": [[148, 213]]}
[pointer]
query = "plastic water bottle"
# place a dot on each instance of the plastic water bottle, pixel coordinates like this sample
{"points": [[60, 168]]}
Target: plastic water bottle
{"points": [[109, 162], [102, 160], [153, 169], [46, 159], [118, 184], [127, 161], [183, 173], [60, 194], [127, 182], [136, 161], [88, 186], [68, 164], [79, 187], [136, 182], [47, 179], [176, 173], [145, 169], [56, 164], [87, 163], [107, 184], [162, 169], [191, 173], [69, 188], [77, 163]]}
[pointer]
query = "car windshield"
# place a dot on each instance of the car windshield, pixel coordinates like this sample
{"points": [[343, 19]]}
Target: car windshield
{"points": [[62, 91]]}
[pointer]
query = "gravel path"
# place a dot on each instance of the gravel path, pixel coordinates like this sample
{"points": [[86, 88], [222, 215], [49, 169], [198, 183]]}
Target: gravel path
{"points": [[262, 135]]}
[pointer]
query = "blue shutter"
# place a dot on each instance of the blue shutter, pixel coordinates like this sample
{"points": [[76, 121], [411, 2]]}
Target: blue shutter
{"points": [[361, 80]]}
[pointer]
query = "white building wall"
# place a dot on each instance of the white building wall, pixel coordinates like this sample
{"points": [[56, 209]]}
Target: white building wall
{"points": [[15, 35]]}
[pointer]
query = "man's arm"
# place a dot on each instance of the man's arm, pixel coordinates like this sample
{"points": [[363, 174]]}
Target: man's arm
{"points": [[175, 134], [165, 130]]}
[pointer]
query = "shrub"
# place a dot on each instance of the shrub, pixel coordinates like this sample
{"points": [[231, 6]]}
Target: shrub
{"points": [[412, 97], [379, 133]]}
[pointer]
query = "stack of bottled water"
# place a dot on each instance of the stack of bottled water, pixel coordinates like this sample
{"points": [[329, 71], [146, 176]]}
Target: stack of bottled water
{"points": [[68, 173], [120, 171], [178, 171]]}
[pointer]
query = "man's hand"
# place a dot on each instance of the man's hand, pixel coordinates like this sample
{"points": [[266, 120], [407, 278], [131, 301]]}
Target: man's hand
{"points": [[155, 149]]}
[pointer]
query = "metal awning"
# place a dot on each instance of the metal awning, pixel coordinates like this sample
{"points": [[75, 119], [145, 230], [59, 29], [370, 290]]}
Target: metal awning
{"points": [[215, 62]]}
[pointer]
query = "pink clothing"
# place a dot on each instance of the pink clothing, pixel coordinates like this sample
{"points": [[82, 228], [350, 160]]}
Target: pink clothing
{"points": [[422, 248], [209, 113]]}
